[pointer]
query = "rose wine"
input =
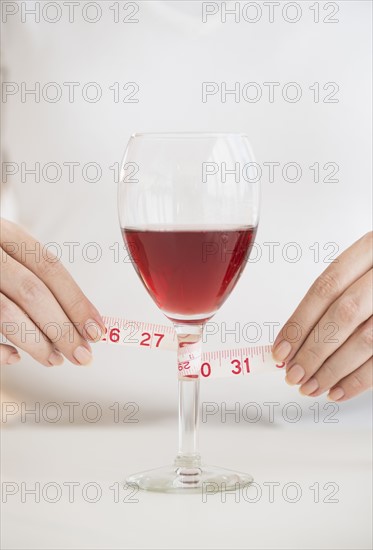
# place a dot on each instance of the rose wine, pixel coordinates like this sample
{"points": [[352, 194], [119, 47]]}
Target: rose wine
{"points": [[189, 273]]}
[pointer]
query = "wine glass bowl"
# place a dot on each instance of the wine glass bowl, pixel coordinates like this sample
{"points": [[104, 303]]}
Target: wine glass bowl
{"points": [[189, 272], [188, 210]]}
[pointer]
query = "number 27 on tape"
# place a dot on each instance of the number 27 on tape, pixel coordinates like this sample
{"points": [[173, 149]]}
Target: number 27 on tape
{"points": [[113, 335]]}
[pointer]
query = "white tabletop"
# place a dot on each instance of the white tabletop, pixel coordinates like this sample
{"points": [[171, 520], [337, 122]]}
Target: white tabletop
{"points": [[328, 449]]}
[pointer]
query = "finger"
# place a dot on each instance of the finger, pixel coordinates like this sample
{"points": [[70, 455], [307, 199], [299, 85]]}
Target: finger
{"points": [[46, 266], [350, 266], [8, 355], [350, 310], [23, 333], [354, 384], [21, 286], [353, 353]]}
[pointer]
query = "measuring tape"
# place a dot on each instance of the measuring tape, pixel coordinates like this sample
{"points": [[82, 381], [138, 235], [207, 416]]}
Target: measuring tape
{"points": [[191, 364]]}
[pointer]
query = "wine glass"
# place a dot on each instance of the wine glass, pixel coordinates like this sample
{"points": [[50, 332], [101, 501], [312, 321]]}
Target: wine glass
{"points": [[188, 209]]}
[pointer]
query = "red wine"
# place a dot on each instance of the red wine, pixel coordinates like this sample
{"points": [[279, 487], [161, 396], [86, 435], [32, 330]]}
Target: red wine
{"points": [[188, 273]]}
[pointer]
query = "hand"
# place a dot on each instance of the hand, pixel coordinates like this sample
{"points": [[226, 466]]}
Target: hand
{"points": [[43, 311], [327, 342]]}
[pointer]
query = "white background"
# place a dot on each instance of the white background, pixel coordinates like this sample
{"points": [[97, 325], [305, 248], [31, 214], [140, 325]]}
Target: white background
{"points": [[169, 53]]}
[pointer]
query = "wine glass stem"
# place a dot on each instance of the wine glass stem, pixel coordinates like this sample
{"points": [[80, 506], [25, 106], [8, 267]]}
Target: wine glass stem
{"points": [[189, 338], [188, 416]]}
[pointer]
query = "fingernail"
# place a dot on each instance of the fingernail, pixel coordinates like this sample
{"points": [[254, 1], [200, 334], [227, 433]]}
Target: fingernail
{"points": [[82, 355], [13, 358], [335, 394], [295, 375], [281, 351], [309, 387], [93, 330], [55, 359]]}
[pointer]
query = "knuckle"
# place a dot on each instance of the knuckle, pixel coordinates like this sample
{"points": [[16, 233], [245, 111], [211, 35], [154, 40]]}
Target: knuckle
{"points": [[313, 356], [309, 358], [329, 374], [31, 289], [292, 331], [6, 309], [78, 304], [326, 286], [9, 316], [367, 336], [4, 255], [356, 381], [49, 267], [68, 333], [346, 310], [66, 337]]}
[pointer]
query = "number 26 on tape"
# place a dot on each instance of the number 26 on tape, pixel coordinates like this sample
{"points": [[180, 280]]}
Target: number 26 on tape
{"points": [[113, 334]]}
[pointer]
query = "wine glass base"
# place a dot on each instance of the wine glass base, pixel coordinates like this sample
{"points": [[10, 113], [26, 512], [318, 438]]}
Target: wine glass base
{"points": [[178, 479]]}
